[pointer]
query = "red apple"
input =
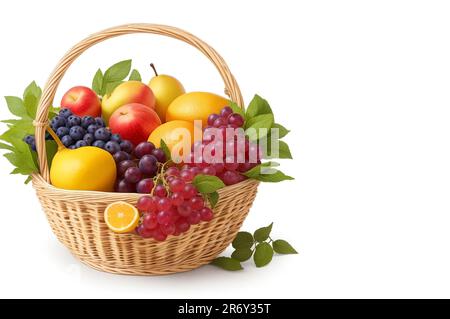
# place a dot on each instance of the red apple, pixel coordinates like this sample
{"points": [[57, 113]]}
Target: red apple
{"points": [[82, 101], [134, 122]]}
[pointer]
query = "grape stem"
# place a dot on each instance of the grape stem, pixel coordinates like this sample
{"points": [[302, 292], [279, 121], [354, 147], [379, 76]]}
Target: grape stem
{"points": [[160, 176]]}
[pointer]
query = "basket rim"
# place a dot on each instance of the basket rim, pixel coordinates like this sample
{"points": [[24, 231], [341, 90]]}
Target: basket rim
{"points": [[39, 182]]}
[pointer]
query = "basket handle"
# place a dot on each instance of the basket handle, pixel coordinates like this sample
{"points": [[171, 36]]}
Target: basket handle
{"points": [[48, 94]]}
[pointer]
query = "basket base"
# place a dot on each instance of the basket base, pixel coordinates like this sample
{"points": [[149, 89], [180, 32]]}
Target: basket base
{"points": [[133, 272]]}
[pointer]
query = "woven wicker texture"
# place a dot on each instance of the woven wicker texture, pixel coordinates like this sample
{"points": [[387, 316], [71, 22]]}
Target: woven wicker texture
{"points": [[76, 217]]}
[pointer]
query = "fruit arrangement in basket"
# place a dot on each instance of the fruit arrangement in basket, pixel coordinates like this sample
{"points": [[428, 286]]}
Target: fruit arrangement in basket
{"points": [[175, 150]]}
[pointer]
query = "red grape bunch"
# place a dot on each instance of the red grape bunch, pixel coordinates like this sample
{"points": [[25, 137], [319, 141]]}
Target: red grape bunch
{"points": [[172, 207], [223, 154]]}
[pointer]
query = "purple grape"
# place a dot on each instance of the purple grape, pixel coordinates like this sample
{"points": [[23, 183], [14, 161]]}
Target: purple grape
{"points": [[65, 113], [86, 121], [89, 138], [92, 128], [116, 138], [61, 131], [99, 144], [80, 143], [102, 134], [99, 121], [57, 122], [124, 187], [212, 118], [159, 154], [72, 147], [236, 119], [133, 175], [73, 120], [126, 146], [124, 165], [67, 140], [143, 148], [121, 156], [112, 147], [226, 111], [148, 165], [77, 132], [145, 186], [29, 139]]}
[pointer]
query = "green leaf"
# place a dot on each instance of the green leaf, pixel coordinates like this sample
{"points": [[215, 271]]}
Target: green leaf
{"points": [[242, 254], [51, 148], [263, 254], [6, 147], [97, 82], [237, 109], [118, 71], [227, 263], [110, 86], [29, 178], [281, 246], [282, 131], [213, 198], [258, 106], [206, 184], [16, 106], [31, 97], [254, 124], [135, 76], [266, 173], [243, 240], [262, 233], [165, 148], [283, 150]]}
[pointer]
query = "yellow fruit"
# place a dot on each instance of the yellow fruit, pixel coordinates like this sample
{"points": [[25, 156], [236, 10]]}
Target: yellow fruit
{"points": [[166, 89], [85, 168], [121, 217], [177, 134], [195, 106]]}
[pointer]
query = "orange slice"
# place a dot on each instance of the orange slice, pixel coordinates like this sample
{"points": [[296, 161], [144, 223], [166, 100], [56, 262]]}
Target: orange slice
{"points": [[121, 217]]}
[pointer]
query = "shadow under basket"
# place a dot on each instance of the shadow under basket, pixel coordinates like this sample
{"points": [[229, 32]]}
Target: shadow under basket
{"points": [[77, 217]]}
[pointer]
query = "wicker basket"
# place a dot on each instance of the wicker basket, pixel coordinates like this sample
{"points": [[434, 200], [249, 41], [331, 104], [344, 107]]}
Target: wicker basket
{"points": [[76, 217]]}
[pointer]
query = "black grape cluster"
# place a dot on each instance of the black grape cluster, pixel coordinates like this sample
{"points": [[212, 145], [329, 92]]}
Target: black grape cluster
{"points": [[75, 132]]}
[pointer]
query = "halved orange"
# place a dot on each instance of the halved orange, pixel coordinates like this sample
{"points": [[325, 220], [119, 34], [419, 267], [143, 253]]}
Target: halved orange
{"points": [[121, 217]]}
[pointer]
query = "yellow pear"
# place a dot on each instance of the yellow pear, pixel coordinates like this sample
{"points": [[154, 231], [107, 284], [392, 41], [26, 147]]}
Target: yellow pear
{"points": [[86, 168], [166, 88]]}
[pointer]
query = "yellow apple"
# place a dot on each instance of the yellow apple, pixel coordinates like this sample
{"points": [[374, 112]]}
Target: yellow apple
{"points": [[126, 93], [166, 89]]}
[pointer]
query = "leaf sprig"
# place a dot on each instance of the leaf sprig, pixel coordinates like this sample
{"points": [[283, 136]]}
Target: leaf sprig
{"points": [[259, 122], [19, 153], [259, 245], [105, 83]]}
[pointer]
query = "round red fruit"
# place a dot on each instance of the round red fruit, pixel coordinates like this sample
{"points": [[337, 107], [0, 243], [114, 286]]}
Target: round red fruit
{"points": [[164, 204], [206, 214], [196, 203], [184, 209], [150, 221], [163, 217], [176, 185], [182, 225], [194, 218], [176, 198], [168, 229], [159, 235], [160, 191], [145, 204], [173, 171], [189, 191], [145, 186]]}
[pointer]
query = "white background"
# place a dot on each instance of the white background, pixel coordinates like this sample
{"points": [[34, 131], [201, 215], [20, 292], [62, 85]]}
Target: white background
{"points": [[364, 86]]}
